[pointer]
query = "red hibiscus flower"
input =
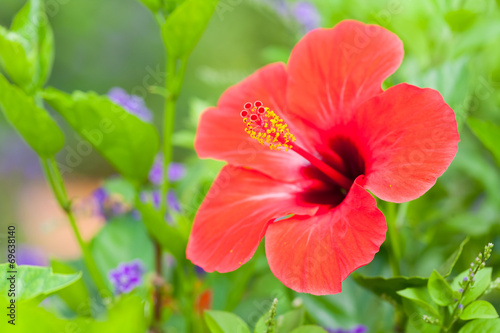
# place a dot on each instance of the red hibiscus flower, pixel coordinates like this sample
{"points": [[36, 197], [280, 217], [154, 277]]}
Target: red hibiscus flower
{"points": [[316, 135]]}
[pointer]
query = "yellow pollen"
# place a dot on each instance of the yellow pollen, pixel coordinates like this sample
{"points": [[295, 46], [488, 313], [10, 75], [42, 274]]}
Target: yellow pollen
{"points": [[265, 126]]}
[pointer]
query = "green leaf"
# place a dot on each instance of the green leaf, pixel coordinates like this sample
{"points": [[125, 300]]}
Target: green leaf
{"points": [[482, 325], [14, 58], [33, 282], [460, 19], [420, 298], [488, 133], [225, 322], [152, 5], [122, 187], [124, 316], [184, 27], [309, 329], [127, 142], [76, 296], [440, 290], [479, 310], [483, 281], [33, 123], [121, 240], [32, 24], [388, 287], [450, 263], [170, 239], [290, 320]]}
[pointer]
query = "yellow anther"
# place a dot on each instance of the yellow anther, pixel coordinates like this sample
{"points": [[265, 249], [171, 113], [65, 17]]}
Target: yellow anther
{"points": [[265, 126]]}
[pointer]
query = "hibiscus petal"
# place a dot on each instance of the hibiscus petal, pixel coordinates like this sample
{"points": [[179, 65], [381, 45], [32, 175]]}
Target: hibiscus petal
{"points": [[315, 254], [333, 70], [410, 137], [234, 217], [221, 133]]}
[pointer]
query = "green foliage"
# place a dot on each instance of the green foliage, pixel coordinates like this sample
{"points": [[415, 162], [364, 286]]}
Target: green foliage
{"points": [[388, 288], [483, 281], [440, 290], [152, 5], [34, 283], [27, 51], [118, 241], [76, 296], [41, 131], [308, 329], [184, 27], [225, 322], [127, 142], [479, 310], [482, 325], [169, 237], [489, 134]]}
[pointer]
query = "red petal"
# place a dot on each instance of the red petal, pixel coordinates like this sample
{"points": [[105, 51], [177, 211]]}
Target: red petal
{"points": [[333, 70], [221, 133], [234, 216], [315, 254], [410, 137]]}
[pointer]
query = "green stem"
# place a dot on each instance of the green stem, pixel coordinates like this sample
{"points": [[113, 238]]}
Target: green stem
{"points": [[392, 234], [174, 78], [56, 183]]}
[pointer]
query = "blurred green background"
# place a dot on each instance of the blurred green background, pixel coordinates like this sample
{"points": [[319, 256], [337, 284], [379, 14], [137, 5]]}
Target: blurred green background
{"points": [[452, 46]]}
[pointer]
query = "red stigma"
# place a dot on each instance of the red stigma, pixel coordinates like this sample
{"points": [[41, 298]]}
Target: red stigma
{"points": [[258, 104], [248, 105], [244, 113], [261, 110], [254, 117]]}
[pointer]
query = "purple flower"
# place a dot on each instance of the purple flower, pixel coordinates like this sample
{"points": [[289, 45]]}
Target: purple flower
{"points": [[176, 171], [29, 255], [17, 157], [133, 104], [155, 197], [307, 15], [356, 329], [126, 276], [199, 271], [173, 202], [460, 306]]}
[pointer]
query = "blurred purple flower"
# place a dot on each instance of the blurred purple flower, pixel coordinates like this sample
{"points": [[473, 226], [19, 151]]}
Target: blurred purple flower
{"points": [[126, 276], [199, 271], [17, 157], [176, 171], [307, 15], [29, 255], [304, 12], [155, 197], [133, 104], [173, 202], [356, 329]]}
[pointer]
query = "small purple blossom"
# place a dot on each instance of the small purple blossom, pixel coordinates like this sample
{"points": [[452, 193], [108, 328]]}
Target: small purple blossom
{"points": [[176, 171], [29, 255], [465, 279], [133, 104], [307, 15], [460, 306], [356, 329], [100, 195], [173, 202], [17, 157], [199, 271], [460, 290], [126, 276]]}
